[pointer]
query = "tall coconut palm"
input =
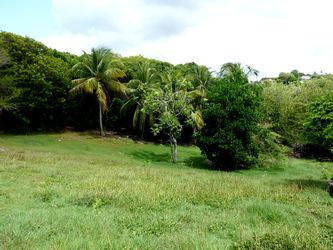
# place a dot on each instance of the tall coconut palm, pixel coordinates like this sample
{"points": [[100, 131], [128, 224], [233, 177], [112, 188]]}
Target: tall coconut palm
{"points": [[145, 79], [200, 78], [99, 72]]}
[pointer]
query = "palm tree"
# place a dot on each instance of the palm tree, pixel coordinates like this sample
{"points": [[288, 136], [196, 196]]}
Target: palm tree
{"points": [[236, 71], [201, 78], [145, 79], [171, 103], [99, 73]]}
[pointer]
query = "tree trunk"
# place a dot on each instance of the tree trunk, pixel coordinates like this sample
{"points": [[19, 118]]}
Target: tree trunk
{"points": [[100, 120], [173, 144]]}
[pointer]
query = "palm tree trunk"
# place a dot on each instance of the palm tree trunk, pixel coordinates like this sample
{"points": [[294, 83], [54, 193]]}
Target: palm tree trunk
{"points": [[100, 120], [173, 144]]}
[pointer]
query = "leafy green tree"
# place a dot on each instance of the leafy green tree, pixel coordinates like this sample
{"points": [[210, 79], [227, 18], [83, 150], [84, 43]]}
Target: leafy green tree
{"points": [[170, 103], [33, 84], [4, 93], [293, 77], [319, 123], [231, 116], [98, 73], [285, 106], [4, 59]]}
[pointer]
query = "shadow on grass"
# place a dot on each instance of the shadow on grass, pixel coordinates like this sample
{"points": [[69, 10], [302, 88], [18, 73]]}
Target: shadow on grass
{"points": [[147, 155], [198, 162], [309, 184]]}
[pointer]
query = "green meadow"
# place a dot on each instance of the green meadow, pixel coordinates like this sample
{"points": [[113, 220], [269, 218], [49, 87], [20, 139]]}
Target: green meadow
{"points": [[81, 191]]}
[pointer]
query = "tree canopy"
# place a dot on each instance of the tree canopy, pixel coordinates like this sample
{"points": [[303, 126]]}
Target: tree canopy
{"points": [[42, 89]]}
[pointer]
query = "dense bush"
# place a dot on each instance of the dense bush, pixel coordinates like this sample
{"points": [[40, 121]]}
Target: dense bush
{"points": [[285, 107], [284, 111], [271, 151], [319, 123], [231, 116], [35, 83]]}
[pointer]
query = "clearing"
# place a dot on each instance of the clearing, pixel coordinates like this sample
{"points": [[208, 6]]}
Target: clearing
{"points": [[79, 191]]}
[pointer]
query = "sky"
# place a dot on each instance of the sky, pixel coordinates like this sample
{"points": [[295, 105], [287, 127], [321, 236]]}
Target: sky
{"points": [[271, 36]]}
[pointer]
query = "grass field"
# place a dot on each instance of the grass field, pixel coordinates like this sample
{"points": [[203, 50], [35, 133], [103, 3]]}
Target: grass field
{"points": [[79, 191]]}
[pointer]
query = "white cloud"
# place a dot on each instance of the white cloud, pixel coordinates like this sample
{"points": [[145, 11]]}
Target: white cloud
{"points": [[270, 35]]}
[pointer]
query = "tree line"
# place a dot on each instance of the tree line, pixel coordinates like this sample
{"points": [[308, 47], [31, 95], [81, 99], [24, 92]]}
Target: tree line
{"points": [[236, 123]]}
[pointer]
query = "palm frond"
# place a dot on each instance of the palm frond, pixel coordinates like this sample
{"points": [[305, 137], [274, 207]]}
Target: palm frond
{"points": [[196, 94], [79, 80], [197, 119], [118, 88], [100, 65], [114, 73], [127, 105], [81, 69], [134, 83], [114, 63], [84, 85]]}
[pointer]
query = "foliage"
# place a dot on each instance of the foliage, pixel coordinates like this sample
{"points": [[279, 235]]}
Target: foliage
{"points": [[170, 103], [285, 106], [35, 84], [200, 78], [319, 123], [198, 75], [132, 66], [6, 91], [98, 73], [284, 111], [144, 81], [231, 114], [35, 81], [271, 152], [295, 77]]}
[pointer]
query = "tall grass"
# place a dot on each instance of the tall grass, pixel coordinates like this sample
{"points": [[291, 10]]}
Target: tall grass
{"points": [[77, 191]]}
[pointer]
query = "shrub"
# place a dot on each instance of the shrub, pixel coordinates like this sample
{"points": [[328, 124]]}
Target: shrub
{"points": [[231, 117], [271, 152], [35, 84], [319, 124], [285, 107]]}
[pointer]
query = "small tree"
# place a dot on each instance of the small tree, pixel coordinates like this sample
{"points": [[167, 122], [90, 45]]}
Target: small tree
{"points": [[231, 117], [170, 103]]}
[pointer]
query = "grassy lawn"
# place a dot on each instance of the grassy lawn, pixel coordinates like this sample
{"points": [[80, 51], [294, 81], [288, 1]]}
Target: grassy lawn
{"points": [[79, 191]]}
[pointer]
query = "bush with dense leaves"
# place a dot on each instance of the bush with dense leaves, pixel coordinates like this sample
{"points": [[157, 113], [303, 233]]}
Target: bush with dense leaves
{"points": [[231, 117], [319, 123], [35, 81], [285, 107]]}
